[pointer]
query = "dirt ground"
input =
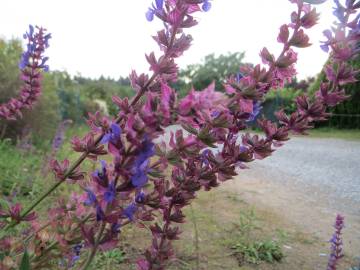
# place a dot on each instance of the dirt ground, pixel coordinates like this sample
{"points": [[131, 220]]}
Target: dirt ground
{"points": [[285, 214]]}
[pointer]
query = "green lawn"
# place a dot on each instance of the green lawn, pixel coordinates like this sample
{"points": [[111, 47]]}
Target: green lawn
{"points": [[346, 134]]}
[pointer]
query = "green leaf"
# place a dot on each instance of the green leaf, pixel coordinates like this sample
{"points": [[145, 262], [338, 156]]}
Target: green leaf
{"points": [[25, 262]]}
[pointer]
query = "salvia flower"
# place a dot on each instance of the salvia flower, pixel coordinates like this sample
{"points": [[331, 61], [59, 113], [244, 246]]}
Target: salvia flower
{"points": [[140, 166], [152, 11], [113, 135], [91, 198], [100, 176], [75, 254], [336, 244], [130, 210], [110, 193], [206, 6], [31, 64], [255, 111], [140, 197]]}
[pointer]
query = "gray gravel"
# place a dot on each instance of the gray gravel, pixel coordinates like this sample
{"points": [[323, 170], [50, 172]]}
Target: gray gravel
{"points": [[327, 166]]}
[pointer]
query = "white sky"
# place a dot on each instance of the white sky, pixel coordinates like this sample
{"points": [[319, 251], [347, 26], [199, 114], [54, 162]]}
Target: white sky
{"points": [[111, 37]]}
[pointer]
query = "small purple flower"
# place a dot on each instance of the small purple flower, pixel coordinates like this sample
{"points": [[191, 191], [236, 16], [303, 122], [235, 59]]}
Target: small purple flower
{"points": [[140, 166], [215, 114], [76, 251], [115, 227], [205, 157], [91, 198], [326, 44], [110, 193], [113, 136], [101, 176], [140, 197], [238, 77], [130, 210], [100, 215], [206, 6], [339, 11], [256, 110], [157, 8], [139, 177]]}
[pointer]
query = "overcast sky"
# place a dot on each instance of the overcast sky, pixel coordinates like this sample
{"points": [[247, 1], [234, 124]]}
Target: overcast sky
{"points": [[111, 37]]}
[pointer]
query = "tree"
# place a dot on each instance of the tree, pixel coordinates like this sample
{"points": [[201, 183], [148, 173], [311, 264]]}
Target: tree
{"points": [[212, 68]]}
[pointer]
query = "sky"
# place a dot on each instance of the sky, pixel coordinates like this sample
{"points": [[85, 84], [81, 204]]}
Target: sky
{"points": [[111, 37]]}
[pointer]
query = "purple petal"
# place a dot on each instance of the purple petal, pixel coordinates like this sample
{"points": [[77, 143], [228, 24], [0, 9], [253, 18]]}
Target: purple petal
{"points": [[159, 4], [106, 138], [149, 15], [116, 130], [206, 6]]}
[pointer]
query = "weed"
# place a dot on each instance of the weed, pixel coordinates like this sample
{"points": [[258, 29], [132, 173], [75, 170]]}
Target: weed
{"points": [[109, 259], [247, 248], [255, 252]]}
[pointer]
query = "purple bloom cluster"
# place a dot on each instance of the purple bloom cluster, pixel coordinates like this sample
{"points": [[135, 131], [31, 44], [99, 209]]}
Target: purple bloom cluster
{"points": [[336, 244], [33, 49], [32, 63]]}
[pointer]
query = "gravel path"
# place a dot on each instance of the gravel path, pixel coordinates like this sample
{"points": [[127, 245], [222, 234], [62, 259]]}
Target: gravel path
{"points": [[327, 166]]}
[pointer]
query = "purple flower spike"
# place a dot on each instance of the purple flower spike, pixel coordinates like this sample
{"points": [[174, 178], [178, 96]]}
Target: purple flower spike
{"points": [[32, 62], [336, 244]]}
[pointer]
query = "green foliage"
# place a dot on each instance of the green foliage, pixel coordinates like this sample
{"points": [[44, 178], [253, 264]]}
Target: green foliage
{"points": [[18, 169], [104, 89], [347, 114], [25, 261], [247, 248], [213, 68], [268, 251], [280, 99], [109, 259]]}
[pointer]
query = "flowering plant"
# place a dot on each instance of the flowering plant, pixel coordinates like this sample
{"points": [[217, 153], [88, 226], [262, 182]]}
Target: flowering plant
{"points": [[147, 183]]}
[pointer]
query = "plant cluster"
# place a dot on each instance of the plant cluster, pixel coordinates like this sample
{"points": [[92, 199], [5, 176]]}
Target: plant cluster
{"points": [[131, 184]]}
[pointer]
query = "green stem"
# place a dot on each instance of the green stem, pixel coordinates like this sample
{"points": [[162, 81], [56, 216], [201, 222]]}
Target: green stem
{"points": [[95, 248]]}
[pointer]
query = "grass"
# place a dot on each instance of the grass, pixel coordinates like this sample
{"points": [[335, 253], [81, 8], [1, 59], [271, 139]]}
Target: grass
{"points": [[249, 249], [326, 133], [346, 134]]}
